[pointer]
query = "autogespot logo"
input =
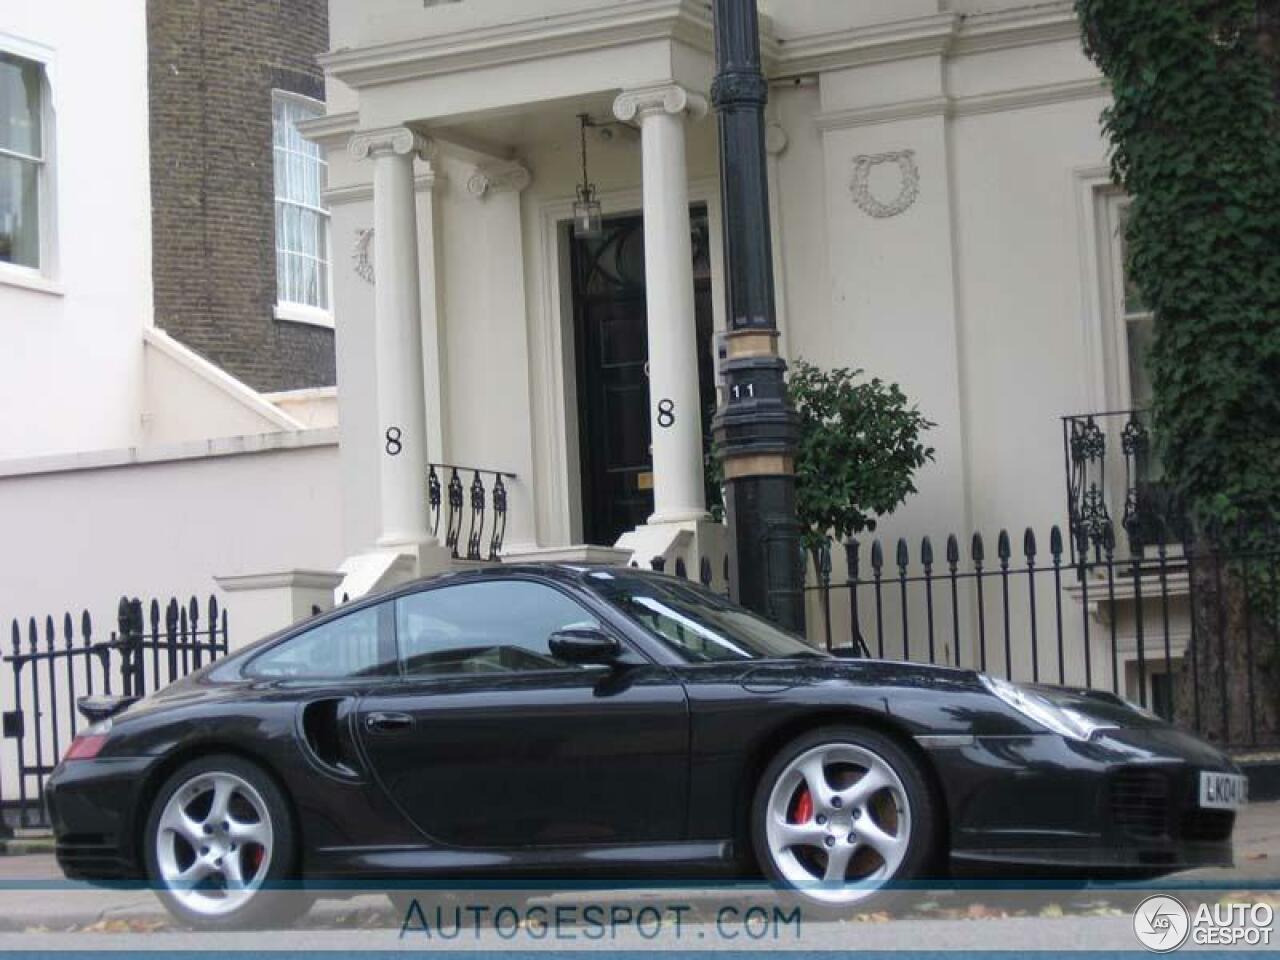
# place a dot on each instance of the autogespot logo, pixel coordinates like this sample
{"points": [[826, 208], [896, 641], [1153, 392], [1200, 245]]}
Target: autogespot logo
{"points": [[1161, 923]]}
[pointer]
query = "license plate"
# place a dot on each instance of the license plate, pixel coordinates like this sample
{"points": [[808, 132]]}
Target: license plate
{"points": [[1223, 791]]}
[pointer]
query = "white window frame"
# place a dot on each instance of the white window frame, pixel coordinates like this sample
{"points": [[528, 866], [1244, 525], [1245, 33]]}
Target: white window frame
{"points": [[285, 309], [42, 278]]}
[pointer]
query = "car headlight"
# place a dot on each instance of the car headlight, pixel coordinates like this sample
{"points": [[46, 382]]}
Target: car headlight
{"points": [[1041, 710]]}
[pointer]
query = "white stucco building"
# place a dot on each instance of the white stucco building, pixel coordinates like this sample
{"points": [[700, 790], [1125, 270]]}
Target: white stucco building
{"points": [[942, 217]]}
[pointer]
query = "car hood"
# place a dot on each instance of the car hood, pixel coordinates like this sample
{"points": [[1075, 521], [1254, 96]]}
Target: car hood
{"points": [[1098, 705], [944, 698]]}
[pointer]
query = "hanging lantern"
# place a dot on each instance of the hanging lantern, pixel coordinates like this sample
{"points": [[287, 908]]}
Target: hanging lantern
{"points": [[588, 221]]}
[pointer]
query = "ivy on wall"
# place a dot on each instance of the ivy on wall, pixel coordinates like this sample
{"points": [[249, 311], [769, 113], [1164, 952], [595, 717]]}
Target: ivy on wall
{"points": [[1195, 132]]}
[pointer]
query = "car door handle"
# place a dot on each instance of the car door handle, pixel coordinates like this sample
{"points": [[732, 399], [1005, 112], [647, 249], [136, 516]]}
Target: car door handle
{"points": [[388, 722]]}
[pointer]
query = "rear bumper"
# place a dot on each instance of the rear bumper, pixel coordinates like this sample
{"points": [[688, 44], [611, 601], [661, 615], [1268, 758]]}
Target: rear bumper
{"points": [[1123, 804], [94, 808]]}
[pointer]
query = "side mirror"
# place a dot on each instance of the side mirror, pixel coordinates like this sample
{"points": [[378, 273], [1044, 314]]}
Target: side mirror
{"points": [[584, 645]]}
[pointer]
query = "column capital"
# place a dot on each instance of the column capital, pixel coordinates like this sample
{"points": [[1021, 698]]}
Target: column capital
{"points": [[497, 177], [664, 98], [400, 141]]}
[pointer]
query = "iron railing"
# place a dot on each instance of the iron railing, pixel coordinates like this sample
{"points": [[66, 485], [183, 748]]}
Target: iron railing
{"points": [[1114, 481], [49, 668], [1188, 631], [483, 498]]}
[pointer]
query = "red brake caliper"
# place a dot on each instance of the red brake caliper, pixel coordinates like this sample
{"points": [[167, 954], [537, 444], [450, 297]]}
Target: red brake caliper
{"points": [[802, 809], [255, 857]]}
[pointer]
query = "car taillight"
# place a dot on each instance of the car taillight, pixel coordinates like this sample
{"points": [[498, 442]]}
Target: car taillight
{"points": [[89, 743], [85, 747]]}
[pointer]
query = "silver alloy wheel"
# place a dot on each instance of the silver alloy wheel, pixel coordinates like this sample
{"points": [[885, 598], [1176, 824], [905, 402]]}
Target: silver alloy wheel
{"points": [[838, 822], [214, 843]]}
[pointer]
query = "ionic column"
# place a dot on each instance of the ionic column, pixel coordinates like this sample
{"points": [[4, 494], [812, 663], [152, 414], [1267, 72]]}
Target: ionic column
{"points": [[678, 486], [402, 432]]}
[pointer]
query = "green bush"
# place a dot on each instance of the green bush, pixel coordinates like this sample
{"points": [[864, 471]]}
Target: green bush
{"points": [[859, 450]]}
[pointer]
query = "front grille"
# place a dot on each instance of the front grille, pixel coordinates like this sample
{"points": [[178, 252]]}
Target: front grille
{"points": [[1140, 802], [1207, 826]]}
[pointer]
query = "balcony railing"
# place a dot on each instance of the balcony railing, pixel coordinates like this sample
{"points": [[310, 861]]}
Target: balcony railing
{"points": [[1115, 485], [453, 492]]}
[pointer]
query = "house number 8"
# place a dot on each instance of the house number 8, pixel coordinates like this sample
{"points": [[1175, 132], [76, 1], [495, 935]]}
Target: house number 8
{"points": [[666, 412], [394, 445]]}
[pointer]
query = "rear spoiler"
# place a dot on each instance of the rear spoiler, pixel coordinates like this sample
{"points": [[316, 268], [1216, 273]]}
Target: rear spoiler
{"points": [[98, 708]]}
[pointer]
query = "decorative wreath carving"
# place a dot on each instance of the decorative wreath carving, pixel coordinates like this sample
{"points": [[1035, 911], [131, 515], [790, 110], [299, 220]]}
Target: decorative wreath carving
{"points": [[861, 185], [360, 255]]}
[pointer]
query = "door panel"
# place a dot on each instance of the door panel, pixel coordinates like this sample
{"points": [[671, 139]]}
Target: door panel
{"points": [[575, 756], [490, 741]]}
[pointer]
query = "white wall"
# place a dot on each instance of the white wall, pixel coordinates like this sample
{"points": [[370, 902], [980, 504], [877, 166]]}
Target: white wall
{"points": [[164, 523], [71, 370]]}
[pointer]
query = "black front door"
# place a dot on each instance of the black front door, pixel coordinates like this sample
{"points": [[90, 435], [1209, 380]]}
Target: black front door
{"points": [[612, 345]]}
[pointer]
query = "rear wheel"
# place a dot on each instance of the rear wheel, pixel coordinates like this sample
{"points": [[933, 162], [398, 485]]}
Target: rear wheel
{"points": [[219, 842], [842, 813]]}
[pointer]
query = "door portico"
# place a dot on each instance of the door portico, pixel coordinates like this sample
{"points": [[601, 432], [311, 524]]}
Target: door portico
{"points": [[498, 282]]}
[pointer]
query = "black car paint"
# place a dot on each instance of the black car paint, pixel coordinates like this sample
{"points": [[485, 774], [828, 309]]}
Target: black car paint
{"points": [[642, 768]]}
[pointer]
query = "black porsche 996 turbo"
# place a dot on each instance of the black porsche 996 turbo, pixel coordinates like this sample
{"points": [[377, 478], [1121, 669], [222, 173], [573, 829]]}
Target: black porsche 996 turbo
{"points": [[578, 723]]}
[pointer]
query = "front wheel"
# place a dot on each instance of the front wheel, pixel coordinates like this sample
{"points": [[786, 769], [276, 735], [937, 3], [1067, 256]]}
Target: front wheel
{"points": [[840, 814], [218, 845]]}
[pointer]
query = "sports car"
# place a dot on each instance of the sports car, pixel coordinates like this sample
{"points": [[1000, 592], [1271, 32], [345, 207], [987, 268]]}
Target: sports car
{"points": [[563, 723]]}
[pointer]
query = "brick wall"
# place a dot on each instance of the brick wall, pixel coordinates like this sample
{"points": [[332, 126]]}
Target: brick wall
{"points": [[213, 65]]}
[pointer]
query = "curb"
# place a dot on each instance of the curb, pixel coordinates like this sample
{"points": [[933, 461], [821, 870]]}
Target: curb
{"points": [[21, 846]]}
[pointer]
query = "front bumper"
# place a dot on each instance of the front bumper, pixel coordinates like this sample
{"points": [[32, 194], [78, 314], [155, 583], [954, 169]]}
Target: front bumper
{"points": [[94, 806], [1125, 803]]}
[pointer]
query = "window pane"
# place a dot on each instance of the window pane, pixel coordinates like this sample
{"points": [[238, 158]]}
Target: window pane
{"points": [[20, 105], [1133, 302], [19, 212], [495, 627], [322, 295], [1141, 333], [349, 647], [698, 624]]}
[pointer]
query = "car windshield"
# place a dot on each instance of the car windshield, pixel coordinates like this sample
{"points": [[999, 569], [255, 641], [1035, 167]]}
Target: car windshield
{"points": [[699, 625]]}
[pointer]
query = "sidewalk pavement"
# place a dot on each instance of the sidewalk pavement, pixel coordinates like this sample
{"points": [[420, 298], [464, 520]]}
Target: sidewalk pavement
{"points": [[33, 896]]}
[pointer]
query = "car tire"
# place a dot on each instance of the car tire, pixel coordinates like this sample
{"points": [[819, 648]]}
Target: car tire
{"points": [[214, 819], [882, 832]]}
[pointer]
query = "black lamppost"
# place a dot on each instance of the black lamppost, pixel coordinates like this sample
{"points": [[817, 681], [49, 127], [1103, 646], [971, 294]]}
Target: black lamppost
{"points": [[756, 429]]}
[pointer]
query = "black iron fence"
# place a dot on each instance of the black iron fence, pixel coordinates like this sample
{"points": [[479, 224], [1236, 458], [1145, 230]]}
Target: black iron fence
{"points": [[479, 503], [50, 664], [1186, 631]]}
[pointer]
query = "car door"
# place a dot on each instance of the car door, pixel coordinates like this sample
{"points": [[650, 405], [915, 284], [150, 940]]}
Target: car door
{"points": [[489, 741]]}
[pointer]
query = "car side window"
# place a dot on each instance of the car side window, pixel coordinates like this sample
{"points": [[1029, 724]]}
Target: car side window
{"points": [[359, 644], [495, 626]]}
